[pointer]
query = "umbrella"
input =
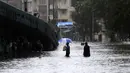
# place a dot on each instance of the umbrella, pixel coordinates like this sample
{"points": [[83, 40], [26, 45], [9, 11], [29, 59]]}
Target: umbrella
{"points": [[65, 40]]}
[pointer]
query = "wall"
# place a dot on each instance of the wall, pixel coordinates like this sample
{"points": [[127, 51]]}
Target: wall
{"points": [[64, 10]]}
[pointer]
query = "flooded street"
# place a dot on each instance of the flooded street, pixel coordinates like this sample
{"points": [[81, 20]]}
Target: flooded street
{"points": [[112, 58]]}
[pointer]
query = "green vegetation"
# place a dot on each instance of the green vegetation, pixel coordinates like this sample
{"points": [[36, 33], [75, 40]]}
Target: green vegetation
{"points": [[115, 14]]}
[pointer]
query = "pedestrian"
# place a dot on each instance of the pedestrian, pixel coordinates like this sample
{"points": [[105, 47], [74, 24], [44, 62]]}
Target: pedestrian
{"points": [[14, 49], [26, 48], [67, 49], [86, 52], [39, 46]]}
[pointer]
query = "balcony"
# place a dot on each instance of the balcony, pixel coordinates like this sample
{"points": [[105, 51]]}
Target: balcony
{"points": [[51, 17], [51, 6], [71, 9], [62, 17], [63, 6]]}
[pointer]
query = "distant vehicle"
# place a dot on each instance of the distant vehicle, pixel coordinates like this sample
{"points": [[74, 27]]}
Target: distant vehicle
{"points": [[65, 25], [82, 43]]}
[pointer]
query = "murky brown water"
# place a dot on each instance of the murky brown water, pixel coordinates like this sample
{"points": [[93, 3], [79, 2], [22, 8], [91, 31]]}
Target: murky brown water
{"points": [[112, 58]]}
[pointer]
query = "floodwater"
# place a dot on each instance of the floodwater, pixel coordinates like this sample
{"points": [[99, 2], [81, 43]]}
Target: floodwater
{"points": [[105, 58]]}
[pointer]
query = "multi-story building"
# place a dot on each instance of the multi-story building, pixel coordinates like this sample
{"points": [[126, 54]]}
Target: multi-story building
{"points": [[59, 10], [53, 10], [43, 9], [64, 10], [14, 3], [38, 8], [46, 10]]}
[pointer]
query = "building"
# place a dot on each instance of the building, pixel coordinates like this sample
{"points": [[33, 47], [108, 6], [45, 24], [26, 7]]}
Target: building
{"points": [[64, 10], [43, 9], [53, 14], [14, 3], [39, 8], [47, 10]]}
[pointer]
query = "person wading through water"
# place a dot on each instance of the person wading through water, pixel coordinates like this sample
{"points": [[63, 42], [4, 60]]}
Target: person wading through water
{"points": [[86, 52], [67, 49]]}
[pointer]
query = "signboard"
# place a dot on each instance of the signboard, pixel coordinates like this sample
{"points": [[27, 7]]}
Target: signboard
{"points": [[65, 24]]}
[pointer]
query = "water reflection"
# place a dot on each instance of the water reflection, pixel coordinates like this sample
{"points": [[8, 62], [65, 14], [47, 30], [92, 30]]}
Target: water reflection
{"points": [[105, 58]]}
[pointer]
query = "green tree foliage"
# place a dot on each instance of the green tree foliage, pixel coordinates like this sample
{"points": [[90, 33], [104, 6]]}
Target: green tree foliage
{"points": [[115, 13], [83, 16]]}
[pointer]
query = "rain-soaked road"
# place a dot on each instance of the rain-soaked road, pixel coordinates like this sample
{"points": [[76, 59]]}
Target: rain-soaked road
{"points": [[104, 59]]}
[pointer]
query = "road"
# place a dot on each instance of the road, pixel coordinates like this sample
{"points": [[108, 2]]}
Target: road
{"points": [[112, 58]]}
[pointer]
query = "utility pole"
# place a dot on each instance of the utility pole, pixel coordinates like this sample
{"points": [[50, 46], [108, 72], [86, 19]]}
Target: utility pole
{"points": [[54, 21], [48, 11], [53, 10], [93, 22], [25, 5]]}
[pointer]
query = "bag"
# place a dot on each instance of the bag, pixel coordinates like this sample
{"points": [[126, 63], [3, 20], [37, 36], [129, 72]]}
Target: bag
{"points": [[64, 48]]}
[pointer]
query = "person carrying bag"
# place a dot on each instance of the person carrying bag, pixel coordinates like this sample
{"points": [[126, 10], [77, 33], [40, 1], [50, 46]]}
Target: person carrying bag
{"points": [[64, 48]]}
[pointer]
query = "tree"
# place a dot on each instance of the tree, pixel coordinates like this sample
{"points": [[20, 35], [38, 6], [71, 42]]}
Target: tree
{"points": [[83, 16], [115, 13]]}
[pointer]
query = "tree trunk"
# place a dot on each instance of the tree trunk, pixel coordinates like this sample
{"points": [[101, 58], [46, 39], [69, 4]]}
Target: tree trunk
{"points": [[83, 38]]}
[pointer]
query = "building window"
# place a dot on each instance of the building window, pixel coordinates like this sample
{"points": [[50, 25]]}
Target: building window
{"points": [[29, 6], [64, 1], [42, 2], [51, 2], [35, 1], [63, 11], [51, 12]]}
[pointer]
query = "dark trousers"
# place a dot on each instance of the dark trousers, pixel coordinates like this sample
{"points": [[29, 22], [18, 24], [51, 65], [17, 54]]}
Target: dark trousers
{"points": [[67, 54]]}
